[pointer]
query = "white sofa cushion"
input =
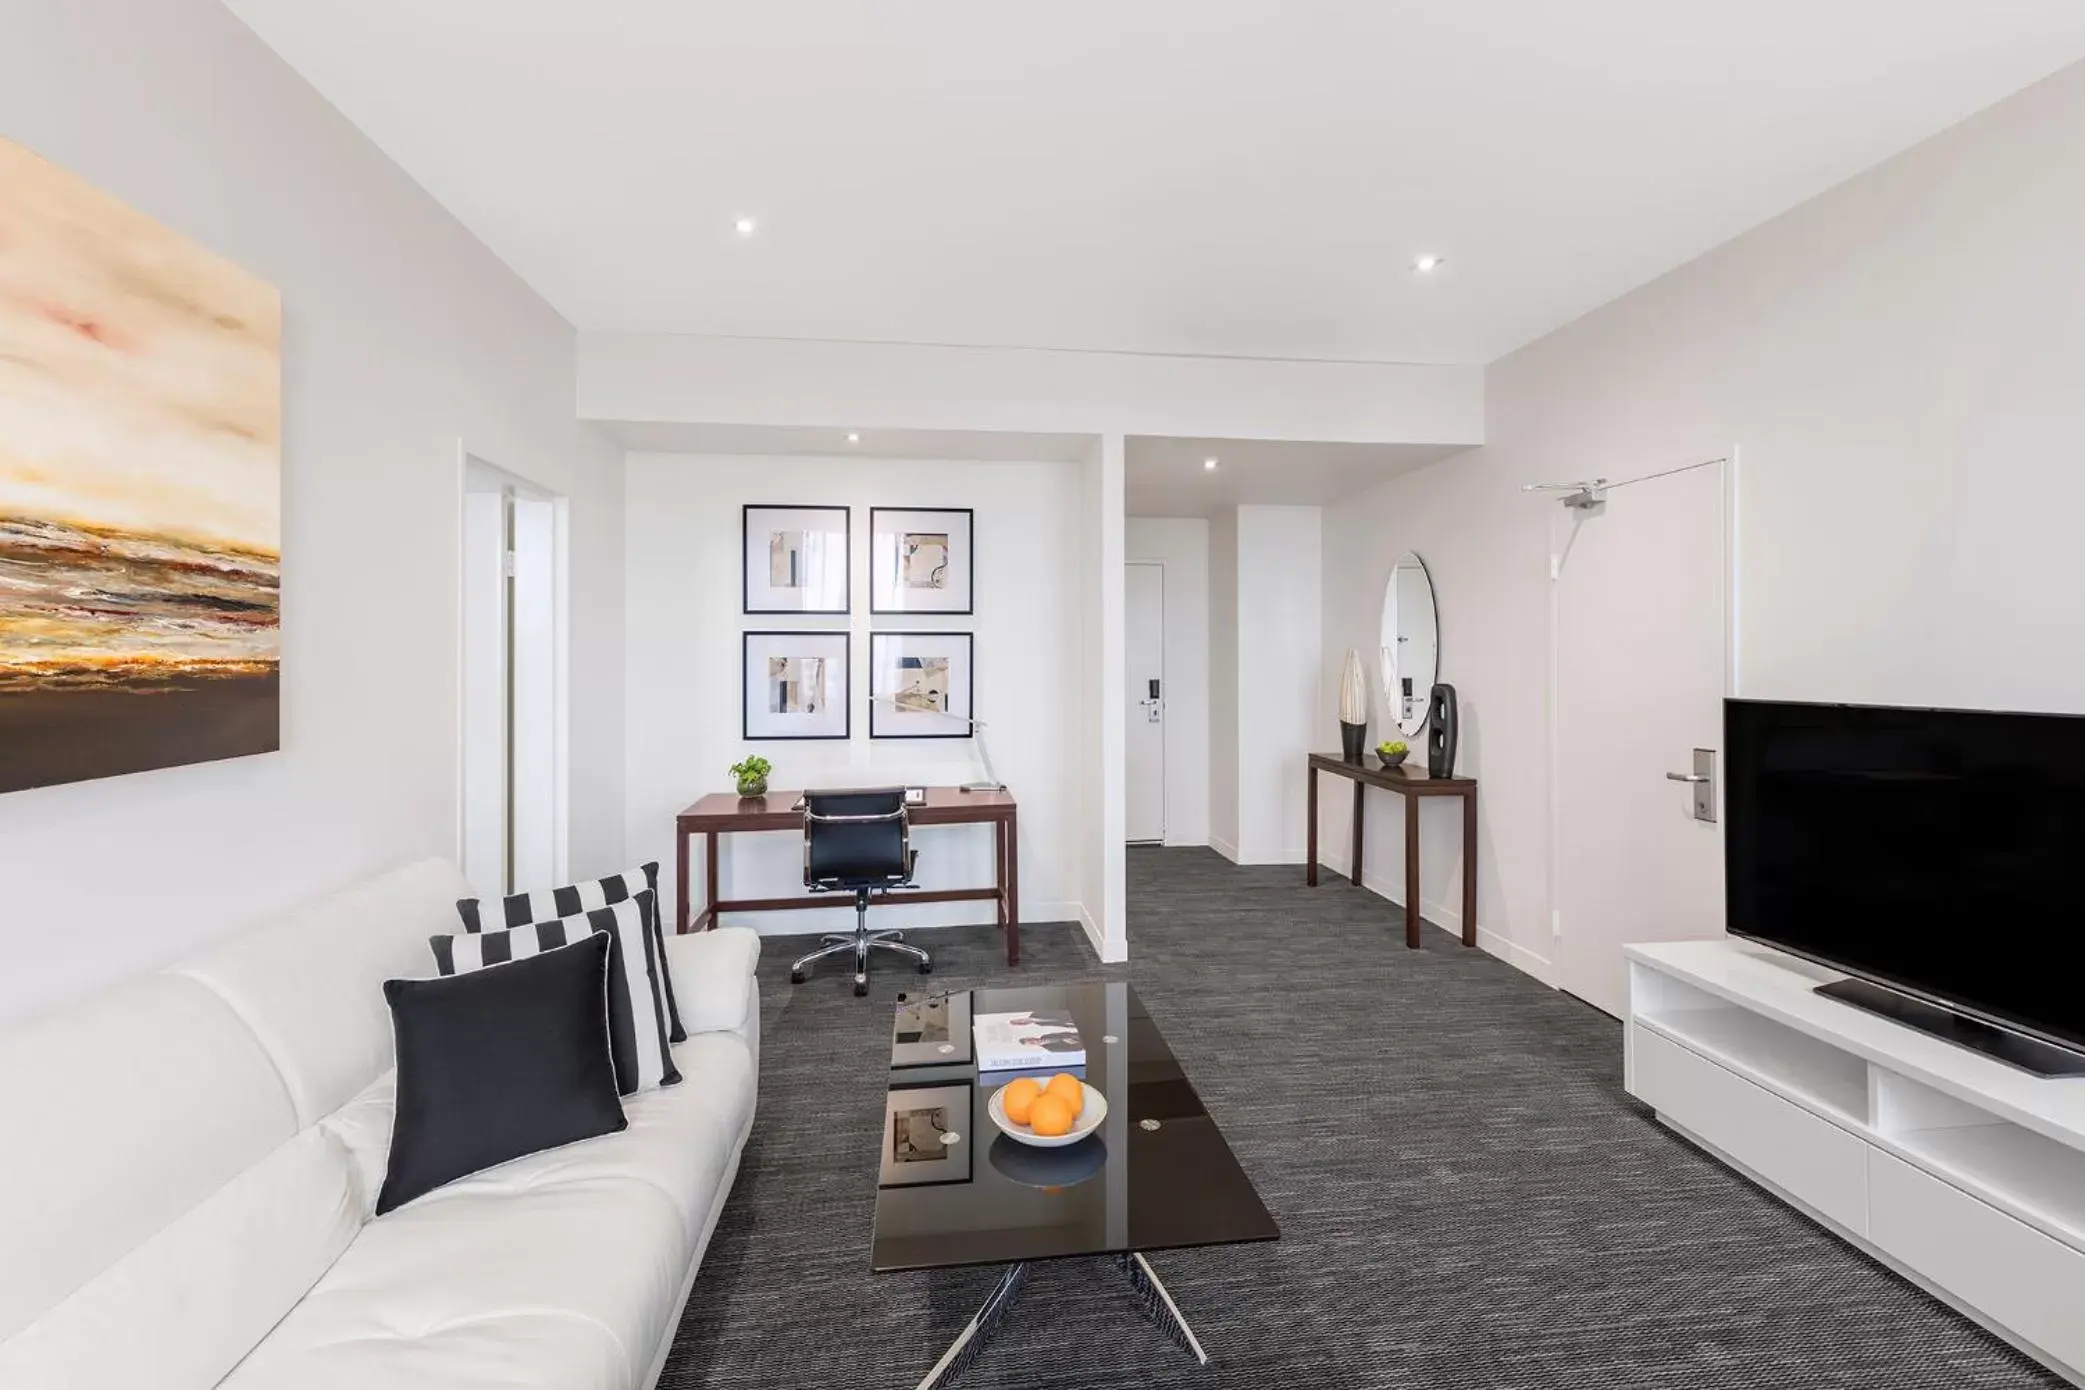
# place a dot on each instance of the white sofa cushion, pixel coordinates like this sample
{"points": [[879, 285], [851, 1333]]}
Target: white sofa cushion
{"points": [[710, 971], [122, 1114], [310, 984], [527, 1242], [186, 1306]]}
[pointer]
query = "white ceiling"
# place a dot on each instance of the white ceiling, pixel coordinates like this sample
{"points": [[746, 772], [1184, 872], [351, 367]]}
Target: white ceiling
{"points": [[1245, 177], [1166, 476]]}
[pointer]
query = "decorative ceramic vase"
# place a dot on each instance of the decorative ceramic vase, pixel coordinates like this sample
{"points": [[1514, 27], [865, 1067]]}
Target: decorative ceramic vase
{"points": [[1353, 708], [752, 786]]}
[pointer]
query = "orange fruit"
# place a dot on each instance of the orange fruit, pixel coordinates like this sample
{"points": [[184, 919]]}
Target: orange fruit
{"points": [[1068, 1088], [1050, 1115], [1018, 1097]]}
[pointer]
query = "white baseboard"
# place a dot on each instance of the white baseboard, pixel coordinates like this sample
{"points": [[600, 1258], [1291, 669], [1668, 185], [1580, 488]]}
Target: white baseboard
{"points": [[1448, 919], [1109, 954], [1224, 848]]}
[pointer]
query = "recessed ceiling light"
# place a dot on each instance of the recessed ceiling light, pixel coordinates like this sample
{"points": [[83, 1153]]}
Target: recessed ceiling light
{"points": [[853, 438], [1208, 465], [1427, 265], [745, 226]]}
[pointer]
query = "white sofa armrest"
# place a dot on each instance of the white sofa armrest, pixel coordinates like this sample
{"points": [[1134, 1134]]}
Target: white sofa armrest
{"points": [[710, 971]]}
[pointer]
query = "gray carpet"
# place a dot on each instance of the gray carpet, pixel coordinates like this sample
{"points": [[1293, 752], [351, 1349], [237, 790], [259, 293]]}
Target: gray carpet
{"points": [[1467, 1197]]}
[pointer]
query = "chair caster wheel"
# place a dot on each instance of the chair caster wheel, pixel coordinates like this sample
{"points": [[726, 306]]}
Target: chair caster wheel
{"points": [[861, 985], [796, 977], [926, 967]]}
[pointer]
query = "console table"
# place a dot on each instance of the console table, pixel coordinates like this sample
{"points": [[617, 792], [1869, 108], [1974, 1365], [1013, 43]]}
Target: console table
{"points": [[724, 813], [1413, 784]]}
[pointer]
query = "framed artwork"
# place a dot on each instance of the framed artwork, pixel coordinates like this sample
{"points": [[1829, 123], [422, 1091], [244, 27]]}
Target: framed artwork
{"points": [[795, 559], [921, 684], [140, 490], [926, 1136], [796, 685], [920, 560]]}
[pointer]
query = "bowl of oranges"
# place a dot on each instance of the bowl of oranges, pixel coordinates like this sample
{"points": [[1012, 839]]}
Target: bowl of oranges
{"points": [[1049, 1113]]}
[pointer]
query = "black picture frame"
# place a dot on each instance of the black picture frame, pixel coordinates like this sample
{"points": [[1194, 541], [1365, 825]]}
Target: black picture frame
{"points": [[745, 558], [845, 702], [968, 640], [969, 564]]}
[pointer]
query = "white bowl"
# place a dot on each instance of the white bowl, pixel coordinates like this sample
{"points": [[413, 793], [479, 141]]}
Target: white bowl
{"points": [[1090, 1118]]}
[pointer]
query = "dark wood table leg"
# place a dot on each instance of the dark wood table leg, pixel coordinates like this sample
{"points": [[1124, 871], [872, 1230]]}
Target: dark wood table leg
{"points": [[680, 877], [1310, 853], [1360, 801], [1013, 888], [999, 871], [1469, 867], [1411, 871], [709, 885]]}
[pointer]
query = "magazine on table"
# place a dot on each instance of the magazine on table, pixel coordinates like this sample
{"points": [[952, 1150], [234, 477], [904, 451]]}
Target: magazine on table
{"points": [[1031, 1040]]}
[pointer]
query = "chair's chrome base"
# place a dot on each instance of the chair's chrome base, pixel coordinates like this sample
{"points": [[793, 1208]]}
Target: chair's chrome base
{"points": [[861, 941], [1151, 1296]]}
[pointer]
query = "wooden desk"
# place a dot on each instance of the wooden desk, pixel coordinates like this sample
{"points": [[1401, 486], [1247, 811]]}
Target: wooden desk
{"points": [[726, 812], [1412, 784]]}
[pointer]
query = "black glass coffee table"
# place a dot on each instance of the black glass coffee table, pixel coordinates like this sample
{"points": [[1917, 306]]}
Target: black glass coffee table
{"points": [[954, 1191]]}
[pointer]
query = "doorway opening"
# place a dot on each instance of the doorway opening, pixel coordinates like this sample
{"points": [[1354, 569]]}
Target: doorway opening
{"points": [[1144, 664], [511, 830]]}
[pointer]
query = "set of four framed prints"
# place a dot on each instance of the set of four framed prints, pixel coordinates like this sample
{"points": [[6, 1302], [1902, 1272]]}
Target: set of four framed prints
{"points": [[799, 560]]}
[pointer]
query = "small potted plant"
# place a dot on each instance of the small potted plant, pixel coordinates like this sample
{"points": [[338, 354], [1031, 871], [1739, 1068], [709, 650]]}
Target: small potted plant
{"points": [[752, 775], [1391, 752]]}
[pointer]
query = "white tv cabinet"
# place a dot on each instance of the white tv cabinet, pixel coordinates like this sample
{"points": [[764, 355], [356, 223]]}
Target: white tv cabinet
{"points": [[1961, 1173]]}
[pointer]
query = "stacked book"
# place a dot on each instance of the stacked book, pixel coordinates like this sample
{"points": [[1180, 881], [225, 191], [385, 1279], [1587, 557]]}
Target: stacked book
{"points": [[1034, 1040]]}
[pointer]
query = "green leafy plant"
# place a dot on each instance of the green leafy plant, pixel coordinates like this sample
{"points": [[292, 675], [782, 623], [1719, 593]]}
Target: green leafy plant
{"points": [[752, 772]]}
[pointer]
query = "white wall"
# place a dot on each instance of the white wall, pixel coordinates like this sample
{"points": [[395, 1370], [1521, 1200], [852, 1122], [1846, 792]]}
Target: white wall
{"points": [[1279, 685], [1223, 682], [405, 341], [684, 676], [1103, 703], [1181, 544], [1265, 579], [1898, 361]]}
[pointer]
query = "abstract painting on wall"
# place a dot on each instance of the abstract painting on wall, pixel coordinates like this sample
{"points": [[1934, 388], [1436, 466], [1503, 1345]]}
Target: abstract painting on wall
{"points": [[920, 559], [795, 559], [795, 685], [921, 684], [140, 490]]}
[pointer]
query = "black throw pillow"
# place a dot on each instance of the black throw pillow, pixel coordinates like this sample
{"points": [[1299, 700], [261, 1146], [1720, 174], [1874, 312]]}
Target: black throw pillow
{"points": [[499, 1063]]}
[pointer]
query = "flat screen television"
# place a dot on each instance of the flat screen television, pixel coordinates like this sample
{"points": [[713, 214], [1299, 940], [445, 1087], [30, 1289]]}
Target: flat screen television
{"points": [[1939, 854]]}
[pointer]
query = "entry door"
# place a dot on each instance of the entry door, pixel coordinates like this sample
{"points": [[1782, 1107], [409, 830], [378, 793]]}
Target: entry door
{"points": [[1145, 663], [1641, 649]]}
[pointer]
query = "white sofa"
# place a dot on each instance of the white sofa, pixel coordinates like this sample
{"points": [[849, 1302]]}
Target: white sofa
{"points": [[189, 1163]]}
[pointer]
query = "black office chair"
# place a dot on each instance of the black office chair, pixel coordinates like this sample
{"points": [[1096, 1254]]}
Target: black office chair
{"points": [[858, 842]]}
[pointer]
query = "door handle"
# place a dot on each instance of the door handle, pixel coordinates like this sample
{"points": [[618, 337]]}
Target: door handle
{"points": [[1703, 782]]}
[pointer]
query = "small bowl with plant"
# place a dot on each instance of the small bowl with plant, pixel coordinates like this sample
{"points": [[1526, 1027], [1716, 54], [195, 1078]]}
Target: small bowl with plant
{"points": [[752, 775], [1391, 752]]}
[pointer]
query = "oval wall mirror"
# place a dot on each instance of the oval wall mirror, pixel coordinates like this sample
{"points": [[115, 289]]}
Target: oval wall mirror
{"points": [[1411, 652]]}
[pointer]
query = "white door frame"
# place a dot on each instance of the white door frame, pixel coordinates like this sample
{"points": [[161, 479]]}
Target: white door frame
{"points": [[1165, 686], [560, 718], [1549, 968]]}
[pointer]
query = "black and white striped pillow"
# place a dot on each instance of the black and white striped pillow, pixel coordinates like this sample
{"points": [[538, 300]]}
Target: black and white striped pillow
{"points": [[525, 909], [636, 1024]]}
